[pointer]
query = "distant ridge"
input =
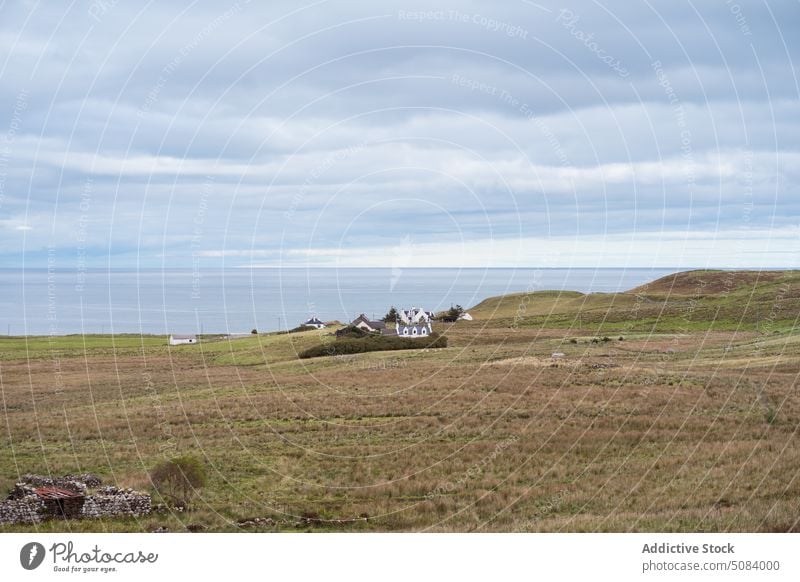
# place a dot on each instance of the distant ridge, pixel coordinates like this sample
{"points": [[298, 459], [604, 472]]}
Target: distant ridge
{"points": [[765, 301], [713, 282]]}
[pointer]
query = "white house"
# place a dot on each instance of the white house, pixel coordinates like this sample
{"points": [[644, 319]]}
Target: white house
{"points": [[180, 340], [414, 322], [465, 316], [313, 322]]}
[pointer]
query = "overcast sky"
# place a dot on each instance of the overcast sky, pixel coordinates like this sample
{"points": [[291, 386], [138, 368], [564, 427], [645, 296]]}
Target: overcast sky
{"points": [[345, 133]]}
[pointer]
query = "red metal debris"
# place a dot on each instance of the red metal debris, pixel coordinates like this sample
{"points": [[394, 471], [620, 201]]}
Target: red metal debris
{"points": [[55, 493]]}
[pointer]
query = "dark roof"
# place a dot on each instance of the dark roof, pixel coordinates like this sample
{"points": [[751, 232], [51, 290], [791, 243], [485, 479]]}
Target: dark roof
{"points": [[371, 323], [410, 313], [314, 320], [55, 493]]}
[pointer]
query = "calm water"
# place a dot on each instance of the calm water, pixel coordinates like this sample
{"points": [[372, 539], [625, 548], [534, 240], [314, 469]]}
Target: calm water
{"points": [[38, 302]]}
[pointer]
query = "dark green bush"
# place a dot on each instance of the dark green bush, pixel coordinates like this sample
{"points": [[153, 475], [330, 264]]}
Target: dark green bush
{"points": [[352, 332], [379, 343]]}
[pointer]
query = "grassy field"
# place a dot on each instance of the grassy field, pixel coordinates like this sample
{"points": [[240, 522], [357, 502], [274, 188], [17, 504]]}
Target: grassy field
{"points": [[674, 408]]}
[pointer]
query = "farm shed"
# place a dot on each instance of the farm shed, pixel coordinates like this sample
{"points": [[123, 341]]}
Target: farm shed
{"points": [[60, 503], [182, 339]]}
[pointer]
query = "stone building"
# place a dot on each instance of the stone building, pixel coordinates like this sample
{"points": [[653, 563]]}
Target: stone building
{"points": [[36, 498]]}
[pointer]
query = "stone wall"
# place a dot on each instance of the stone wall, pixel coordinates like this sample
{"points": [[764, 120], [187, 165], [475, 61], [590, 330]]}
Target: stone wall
{"points": [[76, 483], [113, 502], [29, 509], [24, 506], [20, 491], [88, 479]]}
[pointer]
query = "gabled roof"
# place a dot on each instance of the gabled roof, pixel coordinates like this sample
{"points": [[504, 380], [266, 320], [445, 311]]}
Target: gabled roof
{"points": [[313, 321], [415, 315], [373, 324]]}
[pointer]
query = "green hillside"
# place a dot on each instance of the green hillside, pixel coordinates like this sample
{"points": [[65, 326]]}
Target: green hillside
{"points": [[671, 407], [767, 301]]}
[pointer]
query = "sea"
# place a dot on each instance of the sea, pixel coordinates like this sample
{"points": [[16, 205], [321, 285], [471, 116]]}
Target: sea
{"points": [[238, 300]]}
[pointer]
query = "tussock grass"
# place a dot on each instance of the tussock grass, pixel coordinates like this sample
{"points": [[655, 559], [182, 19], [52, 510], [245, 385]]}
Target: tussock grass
{"points": [[691, 429]]}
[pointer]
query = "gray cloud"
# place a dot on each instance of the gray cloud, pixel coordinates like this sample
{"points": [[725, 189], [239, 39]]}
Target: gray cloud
{"points": [[334, 127]]}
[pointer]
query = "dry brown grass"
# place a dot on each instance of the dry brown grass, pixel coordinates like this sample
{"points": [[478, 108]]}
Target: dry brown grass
{"points": [[669, 432]]}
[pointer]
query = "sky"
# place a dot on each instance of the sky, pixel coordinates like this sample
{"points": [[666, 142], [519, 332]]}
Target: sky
{"points": [[429, 134]]}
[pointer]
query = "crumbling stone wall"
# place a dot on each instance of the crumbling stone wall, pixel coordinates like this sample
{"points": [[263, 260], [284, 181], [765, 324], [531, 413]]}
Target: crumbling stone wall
{"points": [[88, 479], [114, 502], [24, 506], [76, 483], [29, 509], [20, 491]]}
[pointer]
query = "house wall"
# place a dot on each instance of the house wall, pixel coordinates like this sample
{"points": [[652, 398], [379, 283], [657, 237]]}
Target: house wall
{"points": [[411, 328], [68, 508]]}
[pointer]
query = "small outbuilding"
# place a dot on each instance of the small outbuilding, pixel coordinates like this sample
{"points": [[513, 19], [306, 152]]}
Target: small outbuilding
{"points": [[60, 503], [182, 339]]}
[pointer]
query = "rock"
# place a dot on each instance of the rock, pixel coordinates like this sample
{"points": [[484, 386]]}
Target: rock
{"points": [[603, 366]]}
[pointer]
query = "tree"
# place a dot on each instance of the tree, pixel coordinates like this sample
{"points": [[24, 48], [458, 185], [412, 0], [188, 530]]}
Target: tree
{"points": [[179, 479], [254, 332], [391, 317], [455, 312]]}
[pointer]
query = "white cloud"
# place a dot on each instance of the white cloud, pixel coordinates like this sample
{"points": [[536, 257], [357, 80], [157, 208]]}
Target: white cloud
{"points": [[15, 224], [779, 248], [547, 140]]}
